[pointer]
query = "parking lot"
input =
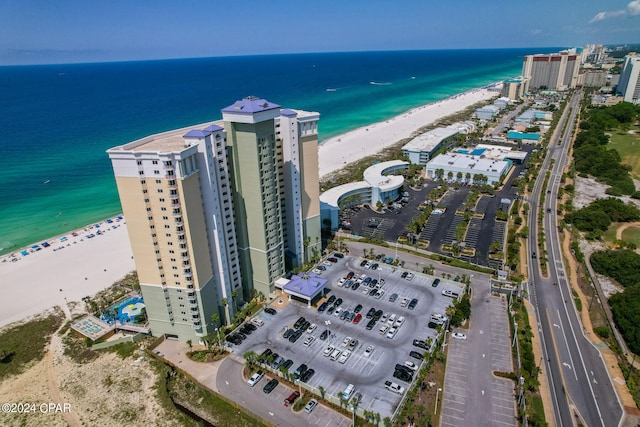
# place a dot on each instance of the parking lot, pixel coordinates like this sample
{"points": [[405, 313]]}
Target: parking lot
{"points": [[368, 372]]}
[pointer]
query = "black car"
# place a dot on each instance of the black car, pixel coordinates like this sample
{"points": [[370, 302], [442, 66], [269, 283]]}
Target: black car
{"points": [[330, 309], [355, 286], [402, 375], [338, 302], [307, 375], [234, 339], [372, 292], [251, 326], [245, 330], [324, 335], [393, 297], [416, 355], [301, 370], [420, 343], [299, 322], [321, 268], [403, 368], [435, 283], [375, 266], [371, 312], [373, 283], [305, 325], [332, 259], [331, 299], [268, 387], [412, 304], [267, 351], [358, 308], [363, 263], [371, 324], [288, 333], [338, 255], [271, 311], [241, 335], [377, 315], [404, 274], [287, 364], [295, 336], [322, 307]]}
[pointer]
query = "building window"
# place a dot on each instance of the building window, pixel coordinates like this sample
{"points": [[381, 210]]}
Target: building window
{"points": [[144, 191], [139, 162], [165, 218], [161, 199], [143, 181], [155, 162], [156, 172], [140, 172], [159, 190]]}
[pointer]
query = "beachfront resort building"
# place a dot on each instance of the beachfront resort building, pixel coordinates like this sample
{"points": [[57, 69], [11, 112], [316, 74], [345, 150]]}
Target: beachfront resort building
{"points": [[485, 164], [379, 185], [513, 88], [422, 148], [629, 84], [216, 212], [556, 71]]}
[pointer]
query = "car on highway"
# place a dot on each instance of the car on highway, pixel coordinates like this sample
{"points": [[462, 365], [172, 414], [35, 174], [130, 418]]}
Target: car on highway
{"points": [[268, 387], [310, 406], [458, 336], [255, 378]]}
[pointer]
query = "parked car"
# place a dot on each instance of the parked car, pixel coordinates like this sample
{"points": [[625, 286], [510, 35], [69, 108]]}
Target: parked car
{"points": [[356, 319], [435, 283], [377, 315], [255, 378], [332, 260], [300, 370], [393, 297], [371, 324], [358, 308], [416, 355], [271, 311], [338, 302], [322, 307], [325, 334], [310, 406], [397, 388], [308, 341], [404, 302], [327, 351], [371, 312], [411, 365], [421, 344], [307, 375], [287, 364], [413, 304], [368, 351], [392, 332], [288, 333], [292, 398], [268, 387], [311, 328]]}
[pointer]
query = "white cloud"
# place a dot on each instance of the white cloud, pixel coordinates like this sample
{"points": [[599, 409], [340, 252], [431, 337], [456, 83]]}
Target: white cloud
{"points": [[633, 8], [536, 31]]}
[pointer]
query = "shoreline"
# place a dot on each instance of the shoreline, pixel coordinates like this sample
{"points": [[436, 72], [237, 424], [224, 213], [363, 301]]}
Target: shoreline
{"points": [[75, 265], [370, 139]]}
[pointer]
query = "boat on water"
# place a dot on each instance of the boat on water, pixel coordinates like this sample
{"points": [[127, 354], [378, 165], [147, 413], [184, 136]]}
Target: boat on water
{"points": [[331, 89], [47, 181], [379, 83]]}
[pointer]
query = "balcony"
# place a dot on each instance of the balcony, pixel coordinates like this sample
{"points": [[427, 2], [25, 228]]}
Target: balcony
{"points": [[189, 280], [174, 196], [175, 204], [172, 186], [178, 222], [185, 257], [177, 214], [195, 316], [180, 233], [191, 294], [182, 239], [197, 326]]}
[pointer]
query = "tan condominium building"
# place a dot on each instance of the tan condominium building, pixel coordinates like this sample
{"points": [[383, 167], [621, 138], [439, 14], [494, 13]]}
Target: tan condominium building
{"points": [[555, 71], [217, 212]]}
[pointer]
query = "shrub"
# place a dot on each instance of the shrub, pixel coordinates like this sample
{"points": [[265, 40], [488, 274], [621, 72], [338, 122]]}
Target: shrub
{"points": [[602, 331]]}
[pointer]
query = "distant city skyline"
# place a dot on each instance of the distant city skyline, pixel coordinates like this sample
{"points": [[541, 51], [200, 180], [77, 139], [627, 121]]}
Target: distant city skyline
{"points": [[38, 32]]}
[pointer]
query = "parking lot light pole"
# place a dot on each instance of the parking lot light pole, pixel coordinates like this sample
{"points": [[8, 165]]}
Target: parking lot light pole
{"points": [[437, 394]]}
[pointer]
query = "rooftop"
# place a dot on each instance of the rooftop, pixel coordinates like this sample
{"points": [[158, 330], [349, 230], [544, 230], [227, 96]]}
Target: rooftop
{"points": [[250, 105], [307, 285]]}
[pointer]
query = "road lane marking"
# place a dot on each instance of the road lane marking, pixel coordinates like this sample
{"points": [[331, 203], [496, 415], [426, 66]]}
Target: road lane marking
{"points": [[567, 344]]}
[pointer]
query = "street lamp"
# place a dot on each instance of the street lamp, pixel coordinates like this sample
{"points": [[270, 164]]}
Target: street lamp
{"points": [[437, 394]]}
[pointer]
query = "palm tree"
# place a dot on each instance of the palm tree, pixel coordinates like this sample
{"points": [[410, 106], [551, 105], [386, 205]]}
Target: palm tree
{"points": [[459, 176], [190, 344], [468, 176], [386, 421], [251, 358], [322, 391], [449, 175]]}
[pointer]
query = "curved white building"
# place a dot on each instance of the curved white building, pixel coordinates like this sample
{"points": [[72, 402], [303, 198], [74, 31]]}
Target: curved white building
{"points": [[379, 185]]}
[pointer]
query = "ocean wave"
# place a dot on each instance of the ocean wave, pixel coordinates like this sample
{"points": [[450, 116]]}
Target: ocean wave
{"points": [[380, 83]]}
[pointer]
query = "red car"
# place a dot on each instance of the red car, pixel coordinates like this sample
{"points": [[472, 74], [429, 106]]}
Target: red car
{"points": [[292, 398], [356, 319], [332, 259]]}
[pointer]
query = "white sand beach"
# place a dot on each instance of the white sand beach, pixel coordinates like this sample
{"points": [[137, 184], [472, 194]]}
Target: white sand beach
{"points": [[340, 150], [83, 266], [80, 266]]}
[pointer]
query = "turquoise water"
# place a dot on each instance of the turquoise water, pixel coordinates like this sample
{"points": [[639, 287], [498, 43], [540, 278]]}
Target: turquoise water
{"points": [[58, 120]]}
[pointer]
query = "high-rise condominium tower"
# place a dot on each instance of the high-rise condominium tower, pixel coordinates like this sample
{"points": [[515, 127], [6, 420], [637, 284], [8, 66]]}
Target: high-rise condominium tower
{"points": [[214, 213], [556, 71], [629, 84]]}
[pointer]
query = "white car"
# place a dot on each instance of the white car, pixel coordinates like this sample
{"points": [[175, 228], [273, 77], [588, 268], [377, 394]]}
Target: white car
{"points": [[327, 263], [337, 312], [404, 302], [384, 328], [312, 404], [458, 336], [391, 319], [399, 322], [346, 341], [311, 328], [392, 332], [328, 350], [316, 271], [255, 378], [384, 318], [344, 356], [257, 321], [341, 281], [308, 341], [411, 365], [368, 351], [394, 387]]}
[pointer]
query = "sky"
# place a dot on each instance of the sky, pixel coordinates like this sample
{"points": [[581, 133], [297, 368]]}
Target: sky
{"points": [[68, 31]]}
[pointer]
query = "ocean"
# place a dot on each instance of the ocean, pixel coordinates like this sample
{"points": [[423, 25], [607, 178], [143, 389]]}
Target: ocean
{"points": [[58, 120]]}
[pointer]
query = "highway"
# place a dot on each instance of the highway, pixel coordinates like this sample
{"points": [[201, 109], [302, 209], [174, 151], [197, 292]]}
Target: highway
{"points": [[578, 379]]}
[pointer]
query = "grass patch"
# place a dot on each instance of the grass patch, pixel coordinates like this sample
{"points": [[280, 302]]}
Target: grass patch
{"points": [[631, 235], [628, 146], [78, 349], [26, 343], [123, 349], [577, 300]]}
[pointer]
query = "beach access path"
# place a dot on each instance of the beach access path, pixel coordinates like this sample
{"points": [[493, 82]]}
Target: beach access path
{"points": [[80, 266], [336, 152]]}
